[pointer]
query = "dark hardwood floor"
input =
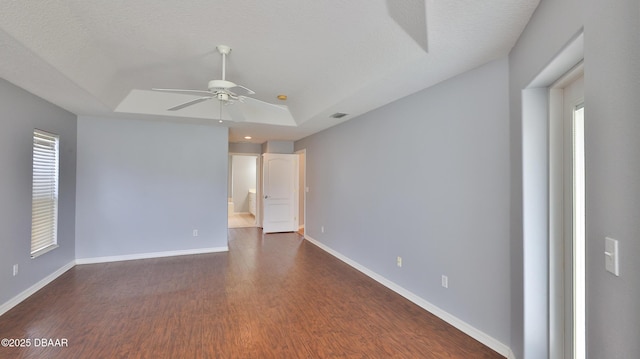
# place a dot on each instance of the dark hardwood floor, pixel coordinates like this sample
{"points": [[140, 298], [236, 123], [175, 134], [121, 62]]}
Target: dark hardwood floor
{"points": [[270, 296]]}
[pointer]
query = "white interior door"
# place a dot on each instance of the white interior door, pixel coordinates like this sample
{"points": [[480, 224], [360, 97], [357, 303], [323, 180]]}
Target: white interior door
{"points": [[280, 183]]}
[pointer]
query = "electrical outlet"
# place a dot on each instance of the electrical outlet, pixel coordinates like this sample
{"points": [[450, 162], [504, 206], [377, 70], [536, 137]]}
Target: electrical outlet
{"points": [[322, 229], [445, 281], [15, 270], [195, 232], [399, 261]]}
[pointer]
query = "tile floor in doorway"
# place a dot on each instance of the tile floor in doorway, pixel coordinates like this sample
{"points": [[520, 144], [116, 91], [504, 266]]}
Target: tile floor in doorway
{"points": [[239, 220]]}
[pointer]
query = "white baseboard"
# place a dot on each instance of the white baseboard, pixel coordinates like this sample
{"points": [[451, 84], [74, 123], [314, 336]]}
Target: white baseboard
{"points": [[34, 288], [129, 257], [471, 331]]}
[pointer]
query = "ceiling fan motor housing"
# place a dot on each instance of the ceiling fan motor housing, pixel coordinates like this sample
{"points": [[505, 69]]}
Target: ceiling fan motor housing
{"points": [[221, 84]]}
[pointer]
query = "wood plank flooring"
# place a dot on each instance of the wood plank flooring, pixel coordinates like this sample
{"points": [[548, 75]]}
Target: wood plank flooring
{"points": [[270, 296]]}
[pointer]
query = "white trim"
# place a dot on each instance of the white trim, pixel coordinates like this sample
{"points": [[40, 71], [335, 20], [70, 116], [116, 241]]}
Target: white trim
{"points": [[44, 250], [129, 257], [475, 333], [302, 153], [34, 288]]}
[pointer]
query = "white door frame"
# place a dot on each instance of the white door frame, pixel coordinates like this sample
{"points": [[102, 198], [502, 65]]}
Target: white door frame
{"points": [[561, 250], [541, 336], [302, 187]]}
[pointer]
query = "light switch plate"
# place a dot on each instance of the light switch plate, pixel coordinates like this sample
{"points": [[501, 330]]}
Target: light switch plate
{"points": [[611, 256]]}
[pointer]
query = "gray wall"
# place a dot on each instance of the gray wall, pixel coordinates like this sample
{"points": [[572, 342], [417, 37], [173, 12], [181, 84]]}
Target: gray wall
{"points": [[21, 113], [425, 178], [143, 186], [612, 87], [244, 178], [244, 147], [277, 147]]}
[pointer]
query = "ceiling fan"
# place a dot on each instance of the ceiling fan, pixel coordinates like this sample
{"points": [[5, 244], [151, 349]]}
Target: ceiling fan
{"points": [[229, 93]]}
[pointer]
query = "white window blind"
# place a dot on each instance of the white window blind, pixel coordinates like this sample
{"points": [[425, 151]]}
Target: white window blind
{"points": [[44, 203]]}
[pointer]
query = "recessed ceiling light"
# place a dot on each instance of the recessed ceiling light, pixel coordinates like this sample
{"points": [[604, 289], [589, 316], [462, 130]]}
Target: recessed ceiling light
{"points": [[247, 137], [220, 121], [282, 97]]}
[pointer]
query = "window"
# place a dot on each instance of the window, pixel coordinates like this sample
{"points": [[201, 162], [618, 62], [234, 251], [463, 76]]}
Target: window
{"points": [[44, 201]]}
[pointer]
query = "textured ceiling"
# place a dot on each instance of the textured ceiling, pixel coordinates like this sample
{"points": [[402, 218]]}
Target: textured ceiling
{"points": [[92, 57]]}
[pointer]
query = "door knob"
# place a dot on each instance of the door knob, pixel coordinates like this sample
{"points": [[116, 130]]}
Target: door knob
{"points": [[265, 197]]}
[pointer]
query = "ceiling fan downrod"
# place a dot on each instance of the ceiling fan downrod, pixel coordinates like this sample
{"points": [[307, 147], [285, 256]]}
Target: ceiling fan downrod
{"points": [[224, 50]]}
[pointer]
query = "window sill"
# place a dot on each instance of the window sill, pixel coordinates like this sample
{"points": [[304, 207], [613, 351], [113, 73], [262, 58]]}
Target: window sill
{"points": [[44, 250]]}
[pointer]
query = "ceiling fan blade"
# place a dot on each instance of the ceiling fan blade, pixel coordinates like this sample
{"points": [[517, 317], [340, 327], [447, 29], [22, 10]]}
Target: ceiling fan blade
{"points": [[253, 101], [247, 90], [195, 92], [256, 111], [189, 103]]}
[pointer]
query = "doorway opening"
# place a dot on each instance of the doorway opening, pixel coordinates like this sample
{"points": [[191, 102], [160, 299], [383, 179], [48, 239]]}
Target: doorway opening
{"points": [[242, 203]]}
